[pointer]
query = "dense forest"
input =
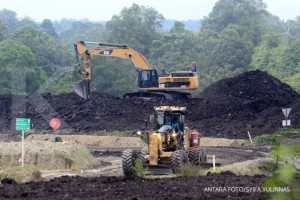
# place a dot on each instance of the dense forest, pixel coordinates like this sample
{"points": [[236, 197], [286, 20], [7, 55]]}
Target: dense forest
{"points": [[237, 36]]}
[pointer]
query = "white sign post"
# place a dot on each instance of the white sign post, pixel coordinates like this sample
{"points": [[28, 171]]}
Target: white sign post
{"points": [[23, 124], [286, 112]]}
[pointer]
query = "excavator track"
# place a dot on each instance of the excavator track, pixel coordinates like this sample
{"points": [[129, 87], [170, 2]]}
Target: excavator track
{"points": [[168, 95]]}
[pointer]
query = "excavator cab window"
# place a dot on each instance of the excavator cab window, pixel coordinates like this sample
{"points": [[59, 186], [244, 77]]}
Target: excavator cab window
{"points": [[148, 78]]}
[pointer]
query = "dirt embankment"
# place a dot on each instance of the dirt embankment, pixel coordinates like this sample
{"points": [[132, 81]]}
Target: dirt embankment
{"points": [[46, 155], [109, 142], [228, 108]]}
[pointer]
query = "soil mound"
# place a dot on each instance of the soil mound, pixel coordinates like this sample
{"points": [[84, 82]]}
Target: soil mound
{"points": [[253, 86], [46, 155], [251, 101]]}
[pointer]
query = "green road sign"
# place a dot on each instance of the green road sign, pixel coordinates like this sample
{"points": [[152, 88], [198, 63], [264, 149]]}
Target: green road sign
{"points": [[22, 124]]}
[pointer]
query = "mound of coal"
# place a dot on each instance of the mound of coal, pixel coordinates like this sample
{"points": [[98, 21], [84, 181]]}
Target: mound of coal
{"points": [[254, 86], [101, 112], [228, 108], [251, 101]]}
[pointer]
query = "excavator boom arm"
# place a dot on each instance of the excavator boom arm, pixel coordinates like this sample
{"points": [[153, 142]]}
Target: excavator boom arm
{"points": [[110, 50]]}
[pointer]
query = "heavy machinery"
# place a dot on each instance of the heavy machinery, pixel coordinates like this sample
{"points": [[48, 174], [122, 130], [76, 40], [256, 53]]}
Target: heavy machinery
{"points": [[150, 83], [170, 145]]}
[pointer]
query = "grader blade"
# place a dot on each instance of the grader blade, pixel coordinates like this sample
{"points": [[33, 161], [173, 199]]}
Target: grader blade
{"points": [[157, 170]]}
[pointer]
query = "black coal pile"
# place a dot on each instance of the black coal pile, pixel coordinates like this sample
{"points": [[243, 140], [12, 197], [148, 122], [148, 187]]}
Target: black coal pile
{"points": [[228, 108], [103, 112], [251, 101]]}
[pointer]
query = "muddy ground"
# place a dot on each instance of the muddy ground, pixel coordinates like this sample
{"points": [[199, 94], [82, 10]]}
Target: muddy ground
{"points": [[122, 188], [229, 108], [107, 181]]}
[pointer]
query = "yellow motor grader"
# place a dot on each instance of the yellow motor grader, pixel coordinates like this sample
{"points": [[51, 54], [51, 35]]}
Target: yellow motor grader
{"points": [[170, 145]]}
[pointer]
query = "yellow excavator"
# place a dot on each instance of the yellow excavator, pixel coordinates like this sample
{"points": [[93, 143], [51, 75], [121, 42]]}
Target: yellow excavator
{"points": [[150, 83]]}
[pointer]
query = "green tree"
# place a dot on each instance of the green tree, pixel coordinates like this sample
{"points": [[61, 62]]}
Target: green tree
{"points": [[3, 31], [228, 37], [19, 73], [232, 50], [50, 54], [9, 18], [136, 26], [47, 25], [114, 76], [248, 15], [175, 50], [294, 27], [82, 31], [178, 27], [62, 84]]}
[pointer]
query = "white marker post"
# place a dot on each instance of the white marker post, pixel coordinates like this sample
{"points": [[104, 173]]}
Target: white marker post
{"points": [[23, 124], [23, 147], [250, 137], [214, 163]]}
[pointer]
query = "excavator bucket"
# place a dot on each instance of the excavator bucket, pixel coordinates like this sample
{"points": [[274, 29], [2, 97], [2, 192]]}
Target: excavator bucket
{"points": [[82, 89]]}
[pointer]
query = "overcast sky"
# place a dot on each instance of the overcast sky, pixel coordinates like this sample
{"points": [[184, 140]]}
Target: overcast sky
{"points": [[103, 10]]}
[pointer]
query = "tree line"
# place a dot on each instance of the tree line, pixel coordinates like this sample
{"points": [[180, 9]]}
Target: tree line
{"points": [[237, 36]]}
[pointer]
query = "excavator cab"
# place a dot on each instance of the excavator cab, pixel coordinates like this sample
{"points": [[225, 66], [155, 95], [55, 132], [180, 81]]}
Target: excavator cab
{"points": [[148, 78]]}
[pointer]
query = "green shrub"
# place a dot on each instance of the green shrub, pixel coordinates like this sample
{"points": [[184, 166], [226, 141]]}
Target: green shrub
{"points": [[138, 168], [68, 160], [278, 137]]}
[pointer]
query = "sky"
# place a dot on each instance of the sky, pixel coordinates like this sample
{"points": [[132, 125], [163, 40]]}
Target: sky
{"points": [[100, 10]]}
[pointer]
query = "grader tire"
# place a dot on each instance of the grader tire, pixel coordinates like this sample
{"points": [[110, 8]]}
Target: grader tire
{"points": [[143, 153], [195, 156], [179, 158], [128, 158], [203, 156]]}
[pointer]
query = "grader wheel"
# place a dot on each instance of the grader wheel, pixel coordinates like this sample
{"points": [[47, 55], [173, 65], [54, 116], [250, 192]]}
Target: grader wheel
{"points": [[197, 156], [204, 156], [143, 153], [179, 158], [128, 158]]}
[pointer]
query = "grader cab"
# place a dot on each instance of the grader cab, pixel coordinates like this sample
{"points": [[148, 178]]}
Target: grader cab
{"points": [[170, 146]]}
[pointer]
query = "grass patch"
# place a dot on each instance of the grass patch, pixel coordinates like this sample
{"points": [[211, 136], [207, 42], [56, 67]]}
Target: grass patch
{"points": [[68, 159], [29, 132], [21, 174], [278, 137], [267, 166], [192, 170], [1, 175], [153, 176], [85, 153], [139, 169], [88, 156], [117, 133]]}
